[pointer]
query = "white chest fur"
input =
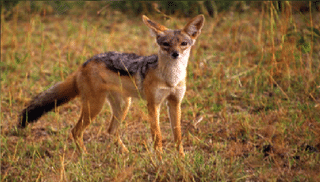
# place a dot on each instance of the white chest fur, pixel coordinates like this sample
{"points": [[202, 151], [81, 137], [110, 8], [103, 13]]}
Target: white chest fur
{"points": [[172, 71]]}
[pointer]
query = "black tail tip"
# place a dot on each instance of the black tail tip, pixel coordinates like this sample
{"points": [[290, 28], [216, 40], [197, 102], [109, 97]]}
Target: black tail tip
{"points": [[28, 117]]}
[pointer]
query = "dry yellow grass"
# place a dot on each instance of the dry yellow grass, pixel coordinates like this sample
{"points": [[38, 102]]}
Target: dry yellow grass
{"points": [[251, 111]]}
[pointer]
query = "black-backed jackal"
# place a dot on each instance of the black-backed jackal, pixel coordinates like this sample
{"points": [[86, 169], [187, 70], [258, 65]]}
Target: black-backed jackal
{"points": [[121, 76]]}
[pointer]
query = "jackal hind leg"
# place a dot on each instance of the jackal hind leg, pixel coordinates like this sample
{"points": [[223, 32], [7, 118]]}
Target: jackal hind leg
{"points": [[91, 106], [120, 107]]}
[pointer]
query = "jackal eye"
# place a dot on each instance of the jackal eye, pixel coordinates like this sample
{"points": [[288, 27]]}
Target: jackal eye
{"points": [[184, 43], [166, 44]]}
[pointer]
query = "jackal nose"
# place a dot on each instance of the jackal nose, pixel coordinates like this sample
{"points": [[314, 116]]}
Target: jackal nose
{"points": [[175, 54]]}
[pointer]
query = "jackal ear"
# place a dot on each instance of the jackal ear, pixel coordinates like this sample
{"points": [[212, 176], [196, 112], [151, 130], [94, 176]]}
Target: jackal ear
{"points": [[193, 28], [155, 27]]}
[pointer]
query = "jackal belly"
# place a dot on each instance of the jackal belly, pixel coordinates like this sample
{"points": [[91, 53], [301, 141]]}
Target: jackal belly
{"points": [[125, 85]]}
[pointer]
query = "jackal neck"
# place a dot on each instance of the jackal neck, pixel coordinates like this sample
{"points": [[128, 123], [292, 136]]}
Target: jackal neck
{"points": [[170, 70]]}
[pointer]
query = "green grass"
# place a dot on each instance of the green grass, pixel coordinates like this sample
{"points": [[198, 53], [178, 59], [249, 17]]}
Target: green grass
{"points": [[256, 89]]}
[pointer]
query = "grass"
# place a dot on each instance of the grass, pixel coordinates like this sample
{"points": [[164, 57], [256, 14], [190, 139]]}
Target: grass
{"points": [[250, 113]]}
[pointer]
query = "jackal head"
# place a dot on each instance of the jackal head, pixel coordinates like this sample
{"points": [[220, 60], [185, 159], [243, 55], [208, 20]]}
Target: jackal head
{"points": [[175, 43]]}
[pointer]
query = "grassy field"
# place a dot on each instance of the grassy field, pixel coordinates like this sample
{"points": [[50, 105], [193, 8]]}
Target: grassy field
{"points": [[251, 111]]}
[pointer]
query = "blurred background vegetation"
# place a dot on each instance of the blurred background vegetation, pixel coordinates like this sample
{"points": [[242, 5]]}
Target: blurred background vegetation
{"points": [[180, 8]]}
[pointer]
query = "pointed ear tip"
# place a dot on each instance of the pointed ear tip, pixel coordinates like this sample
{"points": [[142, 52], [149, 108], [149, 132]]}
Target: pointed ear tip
{"points": [[202, 16], [144, 17]]}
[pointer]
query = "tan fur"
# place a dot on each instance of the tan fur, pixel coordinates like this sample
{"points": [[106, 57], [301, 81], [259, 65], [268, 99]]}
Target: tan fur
{"points": [[94, 83]]}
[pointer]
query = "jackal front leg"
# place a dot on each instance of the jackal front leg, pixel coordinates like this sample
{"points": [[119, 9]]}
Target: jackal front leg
{"points": [[154, 111], [174, 110]]}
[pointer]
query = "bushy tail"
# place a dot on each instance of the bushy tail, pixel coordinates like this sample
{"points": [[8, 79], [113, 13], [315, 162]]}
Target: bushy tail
{"points": [[55, 96]]}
